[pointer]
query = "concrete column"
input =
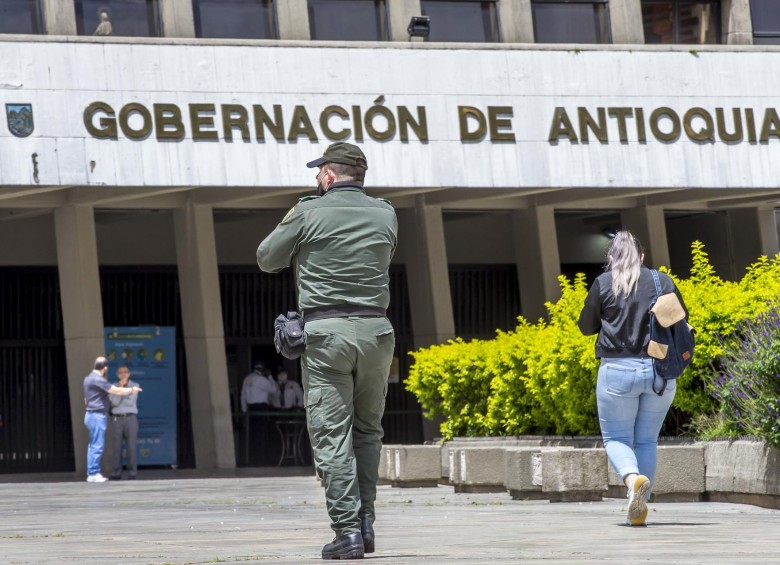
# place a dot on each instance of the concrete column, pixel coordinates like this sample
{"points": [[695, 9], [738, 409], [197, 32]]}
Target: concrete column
{"points": [[399, 14], [60, 18], [753, 232], [768, 231], [625, 17], [777, 223], [427, 274], [207, 376], [538, 260], [649, 225], [516, 20], [737, 27], [178, 19], [82, 311], [292, 17]]}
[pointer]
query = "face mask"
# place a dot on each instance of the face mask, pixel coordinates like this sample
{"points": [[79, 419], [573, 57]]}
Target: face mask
{"points": [[320, 190]]}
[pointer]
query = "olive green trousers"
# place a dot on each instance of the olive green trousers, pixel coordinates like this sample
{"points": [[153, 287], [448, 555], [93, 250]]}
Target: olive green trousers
{"points": [[345, 369]]}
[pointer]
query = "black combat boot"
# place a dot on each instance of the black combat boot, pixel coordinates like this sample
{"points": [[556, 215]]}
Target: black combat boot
{"points": [[367, 531], [347, 546]]}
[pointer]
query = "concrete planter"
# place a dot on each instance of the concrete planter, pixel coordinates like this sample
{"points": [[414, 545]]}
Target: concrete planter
{"points": [[743, 471], [574, 469]]}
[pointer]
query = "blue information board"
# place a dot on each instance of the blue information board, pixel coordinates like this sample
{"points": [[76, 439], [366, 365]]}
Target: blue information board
{"points": [[150, 354]]}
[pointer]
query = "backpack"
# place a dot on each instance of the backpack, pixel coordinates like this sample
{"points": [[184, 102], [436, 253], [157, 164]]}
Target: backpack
{"points": [[671, 337]]}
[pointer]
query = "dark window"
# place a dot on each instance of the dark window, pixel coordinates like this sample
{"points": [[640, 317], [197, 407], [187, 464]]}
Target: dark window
{"points": [[20, 16], [239, 19], [681, 21], [766, 21], [462, 20], [571, 21], [136, 18], [348, 20]]}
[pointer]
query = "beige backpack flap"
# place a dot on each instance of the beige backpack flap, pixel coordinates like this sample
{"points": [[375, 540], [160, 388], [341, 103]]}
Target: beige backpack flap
{"points": [[668, 310], [657, 350]]}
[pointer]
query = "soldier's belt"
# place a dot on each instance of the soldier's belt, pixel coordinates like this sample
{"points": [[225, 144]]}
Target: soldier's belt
{"points": [[342, 311]]}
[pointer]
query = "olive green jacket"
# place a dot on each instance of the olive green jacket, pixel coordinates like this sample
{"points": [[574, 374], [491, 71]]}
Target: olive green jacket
{"points": [[339, 245]]}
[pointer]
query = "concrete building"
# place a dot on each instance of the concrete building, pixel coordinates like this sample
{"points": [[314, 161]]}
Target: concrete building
{"points": [[149, 146]]}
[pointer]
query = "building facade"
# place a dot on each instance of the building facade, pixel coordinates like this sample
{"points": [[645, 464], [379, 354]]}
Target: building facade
{"points": [[150, 146]]}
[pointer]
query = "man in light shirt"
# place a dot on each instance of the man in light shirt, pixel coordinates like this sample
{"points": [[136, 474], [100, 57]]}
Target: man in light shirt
{"points": [[124, 426], [290, 392], [259, 391]]}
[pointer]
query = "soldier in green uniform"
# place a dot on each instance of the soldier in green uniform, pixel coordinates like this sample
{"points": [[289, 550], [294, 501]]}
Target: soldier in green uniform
{"points": [[340, 243]]}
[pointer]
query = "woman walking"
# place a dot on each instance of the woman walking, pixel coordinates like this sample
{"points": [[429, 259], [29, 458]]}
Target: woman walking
{"points": [[630, 412]]}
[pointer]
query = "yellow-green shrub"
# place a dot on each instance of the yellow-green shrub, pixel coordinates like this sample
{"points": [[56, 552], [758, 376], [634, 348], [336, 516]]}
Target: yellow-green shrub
{"points": [[716, 307], [540, 378]]}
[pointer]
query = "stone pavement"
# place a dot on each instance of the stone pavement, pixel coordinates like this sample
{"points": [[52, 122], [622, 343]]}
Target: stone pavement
{"points": [[176, 517]]}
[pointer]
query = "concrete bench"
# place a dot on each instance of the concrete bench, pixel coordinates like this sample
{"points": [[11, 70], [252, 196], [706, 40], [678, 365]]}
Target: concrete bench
{"points": [[574, 475], [448, 446], [413, 465], [385, 460], [478, 469], [524, 472], [679, 476]]}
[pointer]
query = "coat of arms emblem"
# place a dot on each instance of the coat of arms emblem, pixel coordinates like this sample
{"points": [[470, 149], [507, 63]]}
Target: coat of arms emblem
{"points": [[20, 119]]}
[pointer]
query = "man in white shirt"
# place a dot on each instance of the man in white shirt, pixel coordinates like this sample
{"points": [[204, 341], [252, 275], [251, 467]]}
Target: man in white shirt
{"points": [[290, 392], [259, 391]]}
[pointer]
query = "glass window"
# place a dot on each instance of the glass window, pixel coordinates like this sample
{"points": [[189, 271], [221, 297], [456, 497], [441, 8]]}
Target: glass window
{"points": [[20, 16], [681, 21], [348, 20], [571, 21], [461, 20], [136, 18], [238, 19], [766, 21]]}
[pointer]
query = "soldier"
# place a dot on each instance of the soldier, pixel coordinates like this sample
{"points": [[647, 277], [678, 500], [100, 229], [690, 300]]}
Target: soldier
{"points": [[340, 243]]}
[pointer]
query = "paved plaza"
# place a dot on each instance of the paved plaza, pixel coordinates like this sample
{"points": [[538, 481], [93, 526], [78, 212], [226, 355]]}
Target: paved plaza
{"points": [[175, 517]]}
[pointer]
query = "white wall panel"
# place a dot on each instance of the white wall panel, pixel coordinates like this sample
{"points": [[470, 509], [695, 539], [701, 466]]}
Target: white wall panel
{"points": [[71, 161], [61, 79]]}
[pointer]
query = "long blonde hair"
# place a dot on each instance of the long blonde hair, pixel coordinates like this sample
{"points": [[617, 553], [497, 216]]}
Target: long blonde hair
{"points": [[624, 259]]}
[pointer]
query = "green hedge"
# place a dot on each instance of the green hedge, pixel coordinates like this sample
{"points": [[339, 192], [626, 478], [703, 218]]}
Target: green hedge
{"points": [[541, 378]]}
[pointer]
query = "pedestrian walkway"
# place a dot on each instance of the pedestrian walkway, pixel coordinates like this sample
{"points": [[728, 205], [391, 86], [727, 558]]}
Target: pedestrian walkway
{"points": [[182, 520]]}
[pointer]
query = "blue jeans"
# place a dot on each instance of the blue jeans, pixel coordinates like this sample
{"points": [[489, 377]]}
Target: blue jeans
{"points": [[631, 414], [96, 424]]}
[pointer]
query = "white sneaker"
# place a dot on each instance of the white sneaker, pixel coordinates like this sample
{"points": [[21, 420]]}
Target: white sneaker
{"points": [[96, 478], [637, 501]]}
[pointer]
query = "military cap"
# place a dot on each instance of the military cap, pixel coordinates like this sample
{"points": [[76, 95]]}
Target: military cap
{"points": [[344, 153]]}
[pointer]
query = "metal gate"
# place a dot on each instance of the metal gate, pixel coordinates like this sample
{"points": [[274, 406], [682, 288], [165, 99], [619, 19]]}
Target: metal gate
{"points": [[35, 429], [485, 298]]}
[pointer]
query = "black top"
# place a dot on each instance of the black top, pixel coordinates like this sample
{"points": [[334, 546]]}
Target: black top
{"points": [[96, 389], [623, 324]]}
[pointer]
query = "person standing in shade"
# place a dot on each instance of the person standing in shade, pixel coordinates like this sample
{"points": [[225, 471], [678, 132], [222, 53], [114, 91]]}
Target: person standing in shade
{"points": [[340, 243], [630, 412], [290, 392], [96, 391], [124, 426], [259, 391]]}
